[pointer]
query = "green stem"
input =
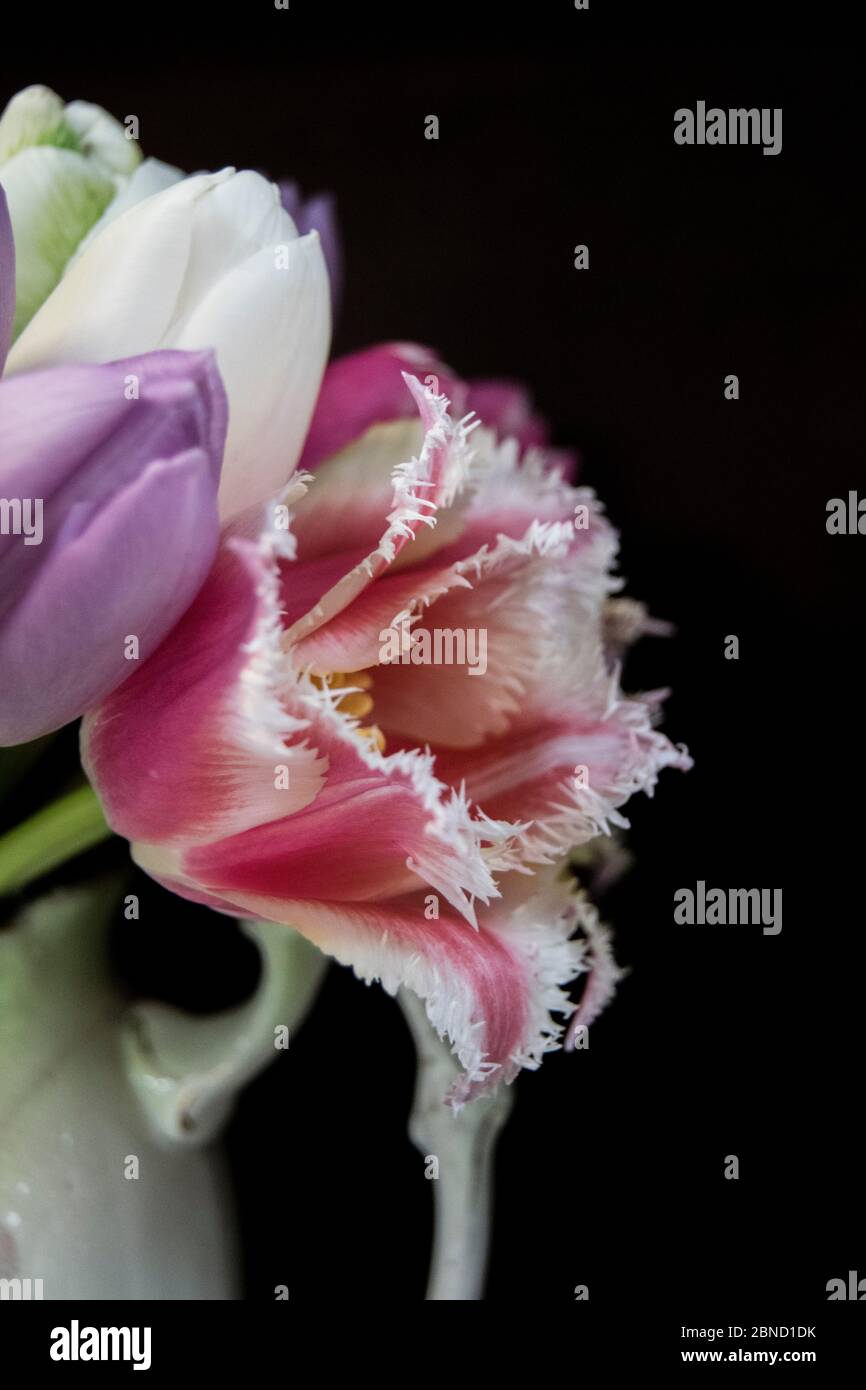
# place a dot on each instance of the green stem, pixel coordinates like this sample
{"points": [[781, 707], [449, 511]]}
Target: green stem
{"points": [[55, 834]]}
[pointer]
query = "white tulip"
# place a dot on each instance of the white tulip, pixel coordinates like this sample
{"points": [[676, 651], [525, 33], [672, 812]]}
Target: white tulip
{"points": [[151, 176], [60, 167], [213, 261]]}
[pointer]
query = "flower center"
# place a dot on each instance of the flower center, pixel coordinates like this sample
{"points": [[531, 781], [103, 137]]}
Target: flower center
{"points": [[357, 702]]}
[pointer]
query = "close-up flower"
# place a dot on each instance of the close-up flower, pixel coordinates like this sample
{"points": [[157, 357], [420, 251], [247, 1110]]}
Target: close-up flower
{"points": [[300, 778], [395, 593], [343, 637]]}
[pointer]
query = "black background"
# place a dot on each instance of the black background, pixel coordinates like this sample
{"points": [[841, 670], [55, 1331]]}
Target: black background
{"points": [[703, 262]]}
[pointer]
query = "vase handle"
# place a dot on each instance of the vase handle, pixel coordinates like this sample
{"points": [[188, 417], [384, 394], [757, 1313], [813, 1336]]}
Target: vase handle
{"points": [[187, 1072]]}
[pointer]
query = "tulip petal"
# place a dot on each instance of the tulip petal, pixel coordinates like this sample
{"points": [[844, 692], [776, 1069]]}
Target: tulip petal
{"points": [[353, 640], [34, 116], [421, 487], [369, 388], [509, 492], [603, 977], [271, 363], [54, 198], [102, 138], [215, 688], [490, 990], [535, 767], [152, 176], [83, 423], [130, 525]]}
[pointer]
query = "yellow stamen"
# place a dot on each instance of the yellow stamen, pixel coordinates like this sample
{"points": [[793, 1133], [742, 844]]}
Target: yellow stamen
{"points": [[356, 704]]}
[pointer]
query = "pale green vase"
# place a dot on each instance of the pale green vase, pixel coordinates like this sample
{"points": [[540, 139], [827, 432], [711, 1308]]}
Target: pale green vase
{"points": [[110, 1187]]}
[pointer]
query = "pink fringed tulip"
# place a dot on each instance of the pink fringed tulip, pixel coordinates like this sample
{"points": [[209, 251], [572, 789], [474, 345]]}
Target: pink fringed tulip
{"points": [[289, 753]]}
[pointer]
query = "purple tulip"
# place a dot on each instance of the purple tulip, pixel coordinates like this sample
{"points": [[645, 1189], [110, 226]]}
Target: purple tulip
{"points": [[108, 523]]}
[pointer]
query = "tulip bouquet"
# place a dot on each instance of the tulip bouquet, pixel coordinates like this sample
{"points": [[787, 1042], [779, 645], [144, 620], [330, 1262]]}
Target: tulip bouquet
{"points": [[233, 533]]}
